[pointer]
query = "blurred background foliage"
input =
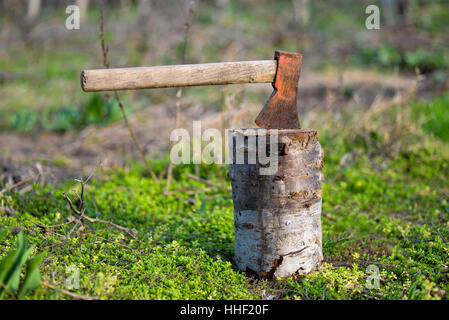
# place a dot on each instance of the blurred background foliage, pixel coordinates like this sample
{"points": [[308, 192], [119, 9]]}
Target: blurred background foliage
{"points": [[40, 60]]}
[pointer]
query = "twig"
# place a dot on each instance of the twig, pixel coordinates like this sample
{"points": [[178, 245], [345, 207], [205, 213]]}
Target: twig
{"points": [[72, 207], [73, 229], [109, 223], [438, 231], [54, 226], [80, 213], [92, 172], [398, 99], [117, 243], [68, 293], [105, 50], [187, 25], [8, 291], [419, 240], [162, 174], [26, 180], [81, 209], [15, 185], [412, 239], [207, 182]]}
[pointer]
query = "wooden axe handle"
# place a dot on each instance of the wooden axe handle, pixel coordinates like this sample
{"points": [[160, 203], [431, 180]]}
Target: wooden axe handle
{"points": [[178, 75]]}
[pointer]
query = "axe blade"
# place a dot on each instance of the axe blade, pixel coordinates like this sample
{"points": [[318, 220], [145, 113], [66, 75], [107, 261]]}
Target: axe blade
{"points": [[280, 111]]}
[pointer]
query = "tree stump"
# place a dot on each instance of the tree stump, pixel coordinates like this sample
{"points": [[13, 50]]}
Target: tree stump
{"points": [[277, 217]]}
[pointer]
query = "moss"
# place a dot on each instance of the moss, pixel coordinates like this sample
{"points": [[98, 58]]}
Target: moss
{"points": [[382, 207], [389, 213], [389, 218]]}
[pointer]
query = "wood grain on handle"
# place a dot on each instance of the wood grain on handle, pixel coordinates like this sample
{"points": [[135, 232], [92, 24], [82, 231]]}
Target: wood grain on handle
{"points": [[178, 75]]}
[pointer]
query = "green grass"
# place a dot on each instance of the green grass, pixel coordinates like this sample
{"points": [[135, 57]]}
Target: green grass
{"points": [[385, 205], [184, 248], [96, 111], [434, 115], [386, 56], [389, 211]]}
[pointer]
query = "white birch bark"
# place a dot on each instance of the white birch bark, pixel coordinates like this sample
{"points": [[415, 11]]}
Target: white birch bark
{"points": [[83, 5], [277, 218], [33, 10]]}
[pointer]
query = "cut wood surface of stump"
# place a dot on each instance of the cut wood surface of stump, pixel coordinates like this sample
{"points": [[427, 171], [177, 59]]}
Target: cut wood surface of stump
{"points": [[277, 217]]}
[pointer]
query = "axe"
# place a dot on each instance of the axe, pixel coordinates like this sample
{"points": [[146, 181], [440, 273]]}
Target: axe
{"points": [[279, 112]]}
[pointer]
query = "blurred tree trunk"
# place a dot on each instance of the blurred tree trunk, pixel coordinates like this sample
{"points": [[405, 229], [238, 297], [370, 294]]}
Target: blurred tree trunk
{"points": [[33, 10], [143, 22], [302, 12], [221, 9], [83, 5], [125, 3], [144, 7], [403, 12], [396, 12], [388, 12]]}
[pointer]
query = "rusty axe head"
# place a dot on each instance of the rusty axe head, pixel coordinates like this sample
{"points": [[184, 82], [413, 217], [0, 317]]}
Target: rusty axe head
{"points": [[280, 111]]}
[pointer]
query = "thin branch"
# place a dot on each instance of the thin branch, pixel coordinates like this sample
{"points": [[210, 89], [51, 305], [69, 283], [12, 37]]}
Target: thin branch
{"points": [[26, 180], [80, 213], [104, 46], [111, 224], [105, 50], [439, 233], [73, 229], [92, 172], [68, 293], [15, 185], [42, 226], [72, 207], [81, 209], [207, 182], [8, 291], [113, 242], [187, 26]]}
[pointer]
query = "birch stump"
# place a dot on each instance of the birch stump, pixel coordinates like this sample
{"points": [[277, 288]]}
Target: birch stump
{"points": [[277, 218]]}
